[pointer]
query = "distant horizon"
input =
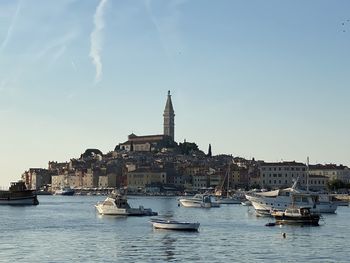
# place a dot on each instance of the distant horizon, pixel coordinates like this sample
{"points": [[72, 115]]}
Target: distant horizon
{"points": [[263, 79]]}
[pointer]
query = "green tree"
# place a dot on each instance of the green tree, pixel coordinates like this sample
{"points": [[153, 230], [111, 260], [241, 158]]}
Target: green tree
{"points": [[188, 147]]}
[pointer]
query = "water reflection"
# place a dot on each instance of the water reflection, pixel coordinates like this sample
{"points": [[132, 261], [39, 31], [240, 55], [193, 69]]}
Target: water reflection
{"points": [[169, 247]]}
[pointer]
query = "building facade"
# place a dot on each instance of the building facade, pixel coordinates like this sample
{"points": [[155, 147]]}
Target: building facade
{"points": [[331, 171], [282, 174]]}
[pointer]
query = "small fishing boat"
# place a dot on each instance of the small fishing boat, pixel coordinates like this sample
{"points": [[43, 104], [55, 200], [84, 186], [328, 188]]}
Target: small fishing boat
{"points": [[174, 225], [296, 215]]}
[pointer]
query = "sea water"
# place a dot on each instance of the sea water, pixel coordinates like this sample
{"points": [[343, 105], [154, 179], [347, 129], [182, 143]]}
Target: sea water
{"points": [[68, 229]]}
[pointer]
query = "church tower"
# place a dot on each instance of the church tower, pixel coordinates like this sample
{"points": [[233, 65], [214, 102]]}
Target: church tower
{"points": [[169, 118]]}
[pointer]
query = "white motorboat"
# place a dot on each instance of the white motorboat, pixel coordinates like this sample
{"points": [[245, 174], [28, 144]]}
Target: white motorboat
{"points": [[246, 203], [264, 202], [174, 225], [117, 204], [199, 200]]}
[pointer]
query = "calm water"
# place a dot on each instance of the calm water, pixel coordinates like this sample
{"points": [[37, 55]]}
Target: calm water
{"points": [[68, 229]]}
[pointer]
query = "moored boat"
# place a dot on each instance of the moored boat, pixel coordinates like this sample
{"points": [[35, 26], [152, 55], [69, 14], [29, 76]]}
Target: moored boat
{"points": [[229, 200], [65, 191], [117, 204], [18, 194], [199, 201], [296, 215], [174, 225], [264, 202], [246, 203]]}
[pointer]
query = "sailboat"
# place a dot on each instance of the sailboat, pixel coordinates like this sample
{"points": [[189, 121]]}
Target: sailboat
{"points": [[228, 199]]}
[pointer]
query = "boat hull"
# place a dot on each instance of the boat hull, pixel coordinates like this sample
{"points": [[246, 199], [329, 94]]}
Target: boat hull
{"points": [[268, 203], [175, 225], [30, 200], [284, 220], [194, 203], [228, 201], [103, 210]]}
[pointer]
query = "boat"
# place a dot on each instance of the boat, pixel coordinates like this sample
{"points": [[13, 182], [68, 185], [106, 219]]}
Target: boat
{"points": [[223, 194], [65, 191], [264, 202], [117, 204], [199, 200], [229, 200], [246, 203], [174, 225], [296, 215], [18, 194]]}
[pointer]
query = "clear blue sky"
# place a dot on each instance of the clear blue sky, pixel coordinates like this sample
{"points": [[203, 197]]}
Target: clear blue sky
{"points": [[264, 79]]}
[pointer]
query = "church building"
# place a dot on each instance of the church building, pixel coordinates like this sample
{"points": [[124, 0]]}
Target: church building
{"points": [[148, 143]]}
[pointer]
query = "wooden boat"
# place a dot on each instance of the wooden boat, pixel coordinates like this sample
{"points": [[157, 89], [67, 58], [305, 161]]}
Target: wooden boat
{"points": [[174, 225], [18, 194], [296, 215]]}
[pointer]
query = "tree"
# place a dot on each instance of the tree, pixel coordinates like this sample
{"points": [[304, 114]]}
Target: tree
{"points": [[188, 147], [336, 184], [209, 150]]}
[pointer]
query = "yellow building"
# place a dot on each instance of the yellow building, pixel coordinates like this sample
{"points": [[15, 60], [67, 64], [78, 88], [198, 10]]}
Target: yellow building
{"points": [[141, 178]]}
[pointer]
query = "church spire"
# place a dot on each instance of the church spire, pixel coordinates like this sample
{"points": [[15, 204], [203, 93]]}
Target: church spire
{"points": [[169, 116]]}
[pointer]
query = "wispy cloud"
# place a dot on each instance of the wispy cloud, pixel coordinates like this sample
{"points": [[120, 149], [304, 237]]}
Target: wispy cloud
{"points": [[56, 47], [167, 24], [96, 39], [10, 28]]}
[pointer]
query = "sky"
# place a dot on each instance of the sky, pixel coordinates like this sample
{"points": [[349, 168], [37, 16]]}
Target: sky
{"points": [[264, 79]]}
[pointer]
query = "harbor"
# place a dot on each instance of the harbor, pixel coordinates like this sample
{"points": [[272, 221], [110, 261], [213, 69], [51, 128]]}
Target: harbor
{"points": [[69, 229]]}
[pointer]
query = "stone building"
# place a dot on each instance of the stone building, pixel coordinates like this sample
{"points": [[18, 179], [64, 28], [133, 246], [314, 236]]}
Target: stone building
{"points": [[142, 178], [331, 171], [149, 143], [36, 178], [282, 174]]}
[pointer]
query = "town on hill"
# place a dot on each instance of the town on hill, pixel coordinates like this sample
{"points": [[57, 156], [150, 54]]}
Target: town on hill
{"points": [[156, 164]]}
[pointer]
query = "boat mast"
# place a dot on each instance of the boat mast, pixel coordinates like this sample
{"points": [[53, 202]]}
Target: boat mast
{"points": [[228, 179], [307, 174]]}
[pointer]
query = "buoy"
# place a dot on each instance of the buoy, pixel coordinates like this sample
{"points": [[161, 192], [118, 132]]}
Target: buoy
{"points": [[284, 235]]}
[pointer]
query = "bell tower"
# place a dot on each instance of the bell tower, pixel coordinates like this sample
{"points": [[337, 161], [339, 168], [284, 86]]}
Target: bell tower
{"points": [[169, 118]]}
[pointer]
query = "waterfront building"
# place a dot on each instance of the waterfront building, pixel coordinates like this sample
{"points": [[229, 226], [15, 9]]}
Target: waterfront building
{"points": [[331, 171], [103, 181], [318, 182], [142, 178], [200, 181], [276, 175], [36, 178], [215, 179]]}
